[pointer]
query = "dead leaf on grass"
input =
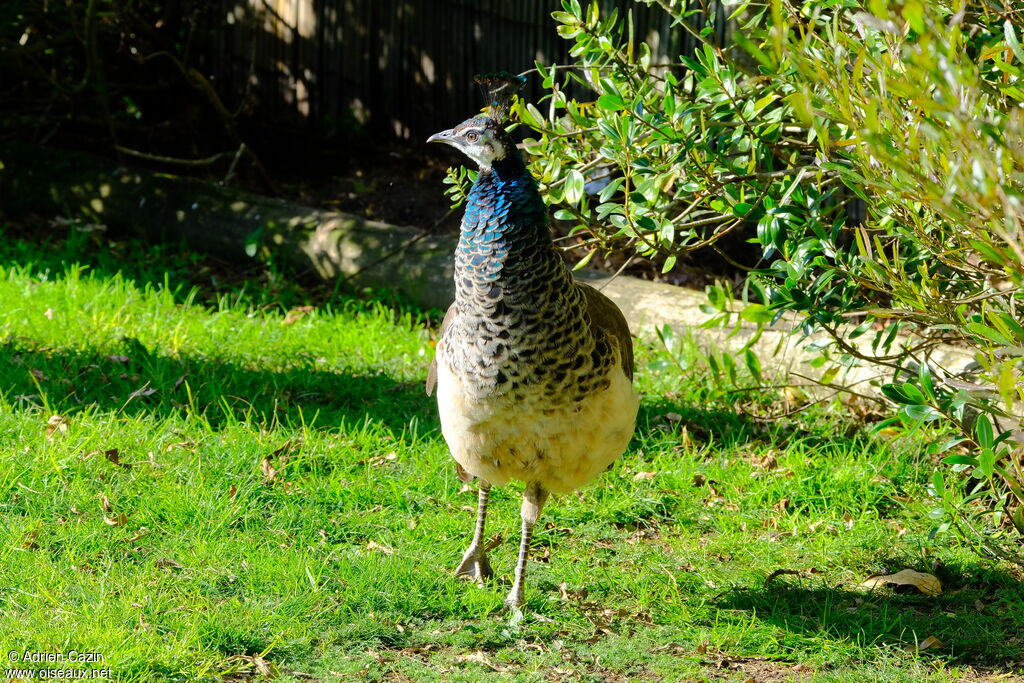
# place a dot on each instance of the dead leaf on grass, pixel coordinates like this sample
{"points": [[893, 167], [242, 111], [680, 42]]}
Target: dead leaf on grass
{"points": [[120, 520], [929, 642], [260, 666], [141, 533], [373, 545], [29, 541], [900, 530], [479, 657], [57, 424], [169, 563], [144, 390], [296, 314], [644, 476], [104, 504], [926, 583], [269, 473], [114, 456], [781, 572]]}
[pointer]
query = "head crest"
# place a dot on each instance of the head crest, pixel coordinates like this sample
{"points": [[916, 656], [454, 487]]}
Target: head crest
{"points": [[498, 89]]}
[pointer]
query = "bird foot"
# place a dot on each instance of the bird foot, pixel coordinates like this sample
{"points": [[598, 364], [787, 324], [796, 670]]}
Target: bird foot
{"points": [[515, 600], [474, 566]]}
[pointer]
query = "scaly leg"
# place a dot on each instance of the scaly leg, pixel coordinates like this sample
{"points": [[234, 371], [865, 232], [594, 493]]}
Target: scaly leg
{"points": [[533, 502], [474, 563]]}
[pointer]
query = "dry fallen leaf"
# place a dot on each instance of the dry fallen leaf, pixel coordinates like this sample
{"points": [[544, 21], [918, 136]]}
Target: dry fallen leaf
{"points": [[57, 423], [269, 473], [781, 572], [768, 461], [120, 520], [644, 476], [114, 456], [29, 541], [104, 504], [144, 390], [480, 658], [297, 314], [926, 583], [141, 533], [168, 562], [373, 545], [795, 397], [929, 642]]}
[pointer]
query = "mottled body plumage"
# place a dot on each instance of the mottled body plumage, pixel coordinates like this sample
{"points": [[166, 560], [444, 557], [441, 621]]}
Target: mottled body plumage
{"points": [[533, 370]]}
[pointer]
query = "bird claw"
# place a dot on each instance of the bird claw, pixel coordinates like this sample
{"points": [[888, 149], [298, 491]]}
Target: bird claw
{"points": [[474, 566], [514, 602]]}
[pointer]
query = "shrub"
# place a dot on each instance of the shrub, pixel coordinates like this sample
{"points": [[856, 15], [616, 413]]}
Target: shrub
{"points": [[917, 111]]}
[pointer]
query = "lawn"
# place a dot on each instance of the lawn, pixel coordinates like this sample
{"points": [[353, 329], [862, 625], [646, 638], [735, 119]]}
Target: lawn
{"points": [[209, 473]]}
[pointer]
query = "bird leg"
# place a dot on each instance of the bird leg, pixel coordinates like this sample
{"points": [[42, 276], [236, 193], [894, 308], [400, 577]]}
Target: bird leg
{"points": [[533, 502], [474, 563]]}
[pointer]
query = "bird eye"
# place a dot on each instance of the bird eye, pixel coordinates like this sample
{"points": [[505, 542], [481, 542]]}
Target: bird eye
{"points": [[472, 136]]}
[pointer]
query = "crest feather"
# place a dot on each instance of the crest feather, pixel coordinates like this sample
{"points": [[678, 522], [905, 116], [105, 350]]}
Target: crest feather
{"points": [[499, 89]]}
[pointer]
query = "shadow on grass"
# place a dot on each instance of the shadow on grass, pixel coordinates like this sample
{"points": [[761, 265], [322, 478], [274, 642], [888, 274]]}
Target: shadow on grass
{"points": [[135, 381], [189, 275], [703, 424], [977, 619]]}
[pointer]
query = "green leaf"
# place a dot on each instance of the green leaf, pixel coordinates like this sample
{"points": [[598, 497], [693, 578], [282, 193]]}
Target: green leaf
{"points": [[943, 446], [988, 333], [921, 413], [939, 484], [611, 102], [716, 296], [895, 394], [913, 393], [585, 260], [1012, 42], [924, 376], [667, 336], [987, 461], [983, 431], [741, 209], [757, 313], [573, 187], [753, 364]]}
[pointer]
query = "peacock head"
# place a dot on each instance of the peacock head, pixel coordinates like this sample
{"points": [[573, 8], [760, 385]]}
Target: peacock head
{"points": [[480, 138]]}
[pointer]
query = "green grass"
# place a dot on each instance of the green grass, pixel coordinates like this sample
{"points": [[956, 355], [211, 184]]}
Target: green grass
{"points": [[234, 491]]}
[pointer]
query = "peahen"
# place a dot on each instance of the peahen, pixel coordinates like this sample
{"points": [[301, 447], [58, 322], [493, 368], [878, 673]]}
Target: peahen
{"points": [[533, 369]]}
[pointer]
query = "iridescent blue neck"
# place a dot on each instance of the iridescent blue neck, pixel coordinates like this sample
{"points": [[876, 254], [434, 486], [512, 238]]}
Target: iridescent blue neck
{"points": [[505, 218]]}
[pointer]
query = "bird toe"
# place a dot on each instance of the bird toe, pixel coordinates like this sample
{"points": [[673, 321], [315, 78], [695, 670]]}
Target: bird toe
{"points": [[474, 566]]}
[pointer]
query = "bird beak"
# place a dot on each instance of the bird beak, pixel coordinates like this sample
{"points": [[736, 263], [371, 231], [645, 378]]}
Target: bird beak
{"points": [[444, 136]]}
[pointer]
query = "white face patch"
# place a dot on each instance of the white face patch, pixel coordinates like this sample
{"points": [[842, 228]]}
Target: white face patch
{"points": [[484, 149]]}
